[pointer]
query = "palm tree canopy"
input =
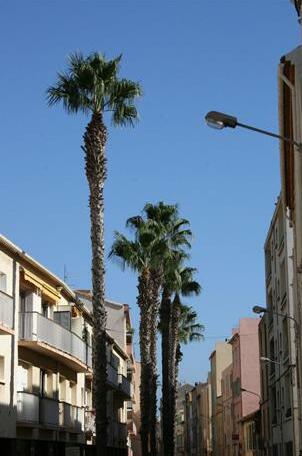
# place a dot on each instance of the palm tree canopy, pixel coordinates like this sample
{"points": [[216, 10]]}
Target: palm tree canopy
{"points": [[159, 238], [189, 329], [145, 251], [91, 84]]}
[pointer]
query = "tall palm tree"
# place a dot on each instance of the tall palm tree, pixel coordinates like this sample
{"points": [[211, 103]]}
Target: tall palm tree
{"points": [[141, 255], [188, 330], [175, 235], [147, 254], [91, 85], [177, 280]]}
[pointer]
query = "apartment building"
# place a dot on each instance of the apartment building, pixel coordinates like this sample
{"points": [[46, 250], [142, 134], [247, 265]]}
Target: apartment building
{"points": [[120, 372], [46, 362], [134, 415], [227, 409], [265, 417], [205, 419], [290, 120], [180, 424], [278, 336], [198, 420], [245, 383], [220, 359]]}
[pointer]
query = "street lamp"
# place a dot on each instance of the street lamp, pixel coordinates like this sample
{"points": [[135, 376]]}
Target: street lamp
{"points": [[251, 392], [219, 120], [259, 310], [268, 360]]}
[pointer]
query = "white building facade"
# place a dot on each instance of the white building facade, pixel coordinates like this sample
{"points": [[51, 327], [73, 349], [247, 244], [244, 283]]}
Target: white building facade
{"points": [[278, 340], [46, 363]]}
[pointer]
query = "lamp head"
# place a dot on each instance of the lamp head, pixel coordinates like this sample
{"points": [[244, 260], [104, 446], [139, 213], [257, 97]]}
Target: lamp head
{"points": [[219, 120], [259, 309]]}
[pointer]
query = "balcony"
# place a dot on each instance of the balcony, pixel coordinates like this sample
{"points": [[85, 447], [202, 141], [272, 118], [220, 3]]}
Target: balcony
{"points": [[112, 376], [49, 412], [6, 313], [48, 337], [125, 386], [71, 417], [117, 434], [27, 408], [33, 410]]}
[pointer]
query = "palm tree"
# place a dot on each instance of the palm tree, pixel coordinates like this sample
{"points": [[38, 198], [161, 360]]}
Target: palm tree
{"points": [[147, 254], [91, 85], [175, 235], [188, 330], [178, 280], [141, 255]]}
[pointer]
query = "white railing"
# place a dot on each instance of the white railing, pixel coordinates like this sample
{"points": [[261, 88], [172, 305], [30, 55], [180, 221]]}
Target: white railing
{"points": [[6, 310], [71, 416], [125, 385], [27, 407], [36, 327], [49, 411]]}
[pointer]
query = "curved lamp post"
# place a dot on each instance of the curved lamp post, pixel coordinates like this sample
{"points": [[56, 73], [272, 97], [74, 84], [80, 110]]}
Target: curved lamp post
{"points": [[259, 310], [244, 390], [219, 120], [264, 359]]}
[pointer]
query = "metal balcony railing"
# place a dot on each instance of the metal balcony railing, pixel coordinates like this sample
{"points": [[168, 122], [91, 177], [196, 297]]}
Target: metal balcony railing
{"points": [[49, 411], [6, 310], [125, 385], [112, 376], [27, 407], [117, 434], [71, 416], [33, 409], [35, 327]]}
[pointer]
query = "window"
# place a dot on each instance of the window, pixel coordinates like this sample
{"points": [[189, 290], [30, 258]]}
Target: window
{"points": [[270, 307], [45, 309], [3, 282], [282, 280], [273, 405], [24, 376], [281, 231], [287, 397], [268, 264], [43, 383], [272, 356], [1, 369], [289, 449], [63, 318], [285, 337]]}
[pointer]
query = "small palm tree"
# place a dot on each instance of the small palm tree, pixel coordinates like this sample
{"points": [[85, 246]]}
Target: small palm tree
{"points": [[91, 85]]}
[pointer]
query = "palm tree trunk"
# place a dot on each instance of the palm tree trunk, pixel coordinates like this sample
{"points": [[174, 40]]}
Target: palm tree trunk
{"points": [[94, 147], [175, 316], [143, 300], [165, 318], [156, 278]]}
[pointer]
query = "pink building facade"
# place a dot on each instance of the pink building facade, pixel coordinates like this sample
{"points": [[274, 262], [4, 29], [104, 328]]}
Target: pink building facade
{"points": [[245, 378]]}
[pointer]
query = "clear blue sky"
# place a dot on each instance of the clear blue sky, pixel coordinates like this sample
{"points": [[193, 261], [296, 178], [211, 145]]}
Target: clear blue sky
{"points": [[190, 57]]}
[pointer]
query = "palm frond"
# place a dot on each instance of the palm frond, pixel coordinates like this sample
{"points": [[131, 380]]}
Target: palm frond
{"points": [[91, 84]]}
